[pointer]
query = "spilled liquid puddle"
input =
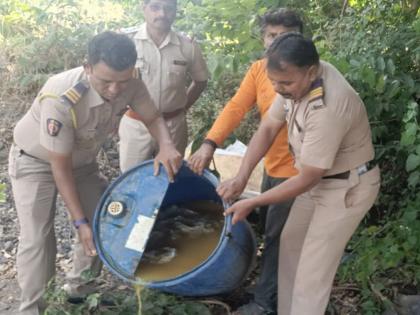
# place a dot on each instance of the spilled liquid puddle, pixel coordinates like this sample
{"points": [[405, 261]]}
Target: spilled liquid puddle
{"points": [[183, 237]]}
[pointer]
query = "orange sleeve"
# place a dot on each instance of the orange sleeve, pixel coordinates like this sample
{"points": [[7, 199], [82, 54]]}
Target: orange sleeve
{"points": [[235, 110]]}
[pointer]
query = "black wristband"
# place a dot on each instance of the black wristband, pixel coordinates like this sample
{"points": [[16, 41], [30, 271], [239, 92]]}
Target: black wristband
{"points": [[78, 223], [210, 142]]}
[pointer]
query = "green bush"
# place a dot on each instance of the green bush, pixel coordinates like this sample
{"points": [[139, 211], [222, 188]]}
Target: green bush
{"points": [[377, 46], [40, 38]]}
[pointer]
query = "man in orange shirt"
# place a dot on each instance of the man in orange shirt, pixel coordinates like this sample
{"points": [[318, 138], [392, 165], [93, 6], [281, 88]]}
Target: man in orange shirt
{"points": [[278, 163]]}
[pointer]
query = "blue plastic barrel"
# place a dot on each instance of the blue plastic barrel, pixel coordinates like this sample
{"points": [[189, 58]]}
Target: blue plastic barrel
{"points": [[126, 213]]}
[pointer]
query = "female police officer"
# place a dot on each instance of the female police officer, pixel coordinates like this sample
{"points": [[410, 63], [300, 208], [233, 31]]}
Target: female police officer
{"points": [[330, 138]]}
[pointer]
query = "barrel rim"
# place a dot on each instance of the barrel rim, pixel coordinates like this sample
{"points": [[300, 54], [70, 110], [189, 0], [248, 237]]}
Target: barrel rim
{"points": [[107, 259]]}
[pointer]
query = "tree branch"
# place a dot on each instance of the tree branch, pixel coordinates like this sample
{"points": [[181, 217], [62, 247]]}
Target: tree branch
{"points": [[344, 7]]}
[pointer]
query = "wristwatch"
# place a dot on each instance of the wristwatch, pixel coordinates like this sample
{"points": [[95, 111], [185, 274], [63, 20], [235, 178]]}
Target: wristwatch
{"points": [[78, 223]]}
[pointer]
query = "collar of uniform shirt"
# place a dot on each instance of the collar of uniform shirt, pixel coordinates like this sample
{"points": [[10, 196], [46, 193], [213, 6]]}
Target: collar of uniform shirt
{"points": [[143, 35], [93, 98]]}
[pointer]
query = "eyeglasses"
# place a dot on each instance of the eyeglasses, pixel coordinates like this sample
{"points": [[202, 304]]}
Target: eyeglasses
{"points": [[155, 7]]}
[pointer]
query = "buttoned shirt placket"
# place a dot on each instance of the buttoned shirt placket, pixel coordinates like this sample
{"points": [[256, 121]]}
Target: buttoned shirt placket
{"points": [[158, 51], [291, 124]]}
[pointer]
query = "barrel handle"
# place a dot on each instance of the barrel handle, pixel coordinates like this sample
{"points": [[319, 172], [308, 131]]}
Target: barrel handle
{"points": [[228, 232]]}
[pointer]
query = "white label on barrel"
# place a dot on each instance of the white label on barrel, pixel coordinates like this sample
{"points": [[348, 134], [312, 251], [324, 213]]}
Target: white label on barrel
{"points": [[140, 233]]}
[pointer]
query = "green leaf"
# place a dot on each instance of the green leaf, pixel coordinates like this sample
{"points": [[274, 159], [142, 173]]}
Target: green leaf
{"points": [[380, 84], [409, 216], [369, 76], [342, 65], [412, 240], [2, 194], [409, 135], [390, 67], [380, 63], [394, 90], [407, 139], [372, 229], [87, 275], [413, 161], [411, 129], [416, 26], [93, 301], [354, 62], [409, 81], [414, 179]]}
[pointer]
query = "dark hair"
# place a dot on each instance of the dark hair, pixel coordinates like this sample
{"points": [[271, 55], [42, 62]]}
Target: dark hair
{"points": [[292, 48], [282, 16], [117, 51]]}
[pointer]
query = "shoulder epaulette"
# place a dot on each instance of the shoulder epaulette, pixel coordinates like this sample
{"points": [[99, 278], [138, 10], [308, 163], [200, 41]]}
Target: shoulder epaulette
{"points": [[316, 94], [72, 96], [317, 90], [137, 73], [69, 98]]}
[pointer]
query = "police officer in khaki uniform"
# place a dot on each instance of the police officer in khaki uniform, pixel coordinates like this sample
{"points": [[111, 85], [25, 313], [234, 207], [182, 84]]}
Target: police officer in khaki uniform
{"points": [[55, 149], [167, 61], [330, 137]]}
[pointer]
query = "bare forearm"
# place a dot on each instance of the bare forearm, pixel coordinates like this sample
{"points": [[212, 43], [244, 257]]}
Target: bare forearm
{"points": [[168, 155], [257, 148], [63, 176], [194, 91], [159, 132]]}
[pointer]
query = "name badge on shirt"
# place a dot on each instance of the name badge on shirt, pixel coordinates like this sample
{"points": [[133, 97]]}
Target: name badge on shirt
{"points": [[180, 62]]}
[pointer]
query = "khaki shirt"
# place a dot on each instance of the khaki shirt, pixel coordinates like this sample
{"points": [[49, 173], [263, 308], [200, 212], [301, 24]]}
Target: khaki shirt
{"points": [[331, 132], [95, 118], [165, 69]]}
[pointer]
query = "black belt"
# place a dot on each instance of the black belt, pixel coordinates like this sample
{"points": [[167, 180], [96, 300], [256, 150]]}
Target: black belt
{"points": [[360, 171]]}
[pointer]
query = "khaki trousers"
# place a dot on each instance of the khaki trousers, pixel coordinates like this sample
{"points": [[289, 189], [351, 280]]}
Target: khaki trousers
{"points": [[35, 197], [137, 145], [313, 240]]}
